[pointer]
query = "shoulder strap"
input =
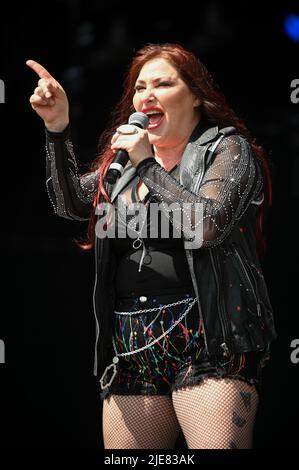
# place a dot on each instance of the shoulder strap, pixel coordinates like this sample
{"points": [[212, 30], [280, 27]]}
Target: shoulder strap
{"points": [[222, 133]]}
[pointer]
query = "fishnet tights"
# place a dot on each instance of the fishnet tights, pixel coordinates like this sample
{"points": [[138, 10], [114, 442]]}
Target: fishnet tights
{"points": [[216, 414], [139, 422]]}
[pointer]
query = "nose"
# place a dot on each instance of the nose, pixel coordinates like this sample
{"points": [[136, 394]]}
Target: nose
{"points": [[148, 95]]}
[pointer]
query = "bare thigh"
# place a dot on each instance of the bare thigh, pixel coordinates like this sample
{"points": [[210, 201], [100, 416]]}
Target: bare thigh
{"points": [[139, 422]]}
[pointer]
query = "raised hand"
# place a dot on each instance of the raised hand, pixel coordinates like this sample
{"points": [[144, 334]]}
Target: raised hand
{"points": [[49, 99]]}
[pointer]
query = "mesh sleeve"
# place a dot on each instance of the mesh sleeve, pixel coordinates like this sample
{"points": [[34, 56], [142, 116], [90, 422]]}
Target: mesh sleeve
{"points": [[231, 182], [71, 194]]}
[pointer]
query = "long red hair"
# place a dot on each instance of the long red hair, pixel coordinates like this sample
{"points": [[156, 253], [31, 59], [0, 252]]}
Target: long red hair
{"points": [[213, 108]]}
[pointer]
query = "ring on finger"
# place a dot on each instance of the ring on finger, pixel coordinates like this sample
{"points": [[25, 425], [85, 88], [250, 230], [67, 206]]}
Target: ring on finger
{"points": [[127, 129]]}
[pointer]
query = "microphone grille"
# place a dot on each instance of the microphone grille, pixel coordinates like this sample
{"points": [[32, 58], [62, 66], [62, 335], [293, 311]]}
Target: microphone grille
{"points": [[139, 119]]}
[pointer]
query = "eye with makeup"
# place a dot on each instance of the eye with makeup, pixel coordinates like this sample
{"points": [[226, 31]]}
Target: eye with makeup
{"points": [[138, 88], [164, 84], [161, 84]]}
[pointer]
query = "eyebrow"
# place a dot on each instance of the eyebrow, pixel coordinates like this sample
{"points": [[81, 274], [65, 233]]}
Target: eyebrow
{"points": [[158, 79]]}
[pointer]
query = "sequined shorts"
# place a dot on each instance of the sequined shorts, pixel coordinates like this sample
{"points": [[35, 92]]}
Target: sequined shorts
{"points": [[178, 359]]}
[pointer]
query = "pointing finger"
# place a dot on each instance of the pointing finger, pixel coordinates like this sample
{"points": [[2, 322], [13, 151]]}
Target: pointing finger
{"points": [[39, 69]]}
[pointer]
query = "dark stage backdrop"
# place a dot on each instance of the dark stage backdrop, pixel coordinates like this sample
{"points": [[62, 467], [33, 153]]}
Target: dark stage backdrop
{"points": [[49, 397]]}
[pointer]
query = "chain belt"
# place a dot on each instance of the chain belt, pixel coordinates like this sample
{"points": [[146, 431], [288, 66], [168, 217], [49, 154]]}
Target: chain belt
{"points": [[115, 359], [154, 308]]}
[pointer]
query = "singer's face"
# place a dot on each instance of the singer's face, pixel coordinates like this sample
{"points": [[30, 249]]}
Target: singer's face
{"points": [[166, 99]]}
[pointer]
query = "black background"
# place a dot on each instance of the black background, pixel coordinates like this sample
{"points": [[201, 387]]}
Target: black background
{"points": [[49, 397]]}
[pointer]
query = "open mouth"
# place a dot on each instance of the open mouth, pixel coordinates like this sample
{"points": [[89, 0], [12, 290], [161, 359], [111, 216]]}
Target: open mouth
{"points": [[155, 119]]}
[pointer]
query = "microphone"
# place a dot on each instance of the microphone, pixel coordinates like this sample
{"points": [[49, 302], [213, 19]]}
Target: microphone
{"points": [[117, 167]]}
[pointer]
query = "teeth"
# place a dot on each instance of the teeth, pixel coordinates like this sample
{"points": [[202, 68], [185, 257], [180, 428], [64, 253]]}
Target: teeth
{"points": [[153, 112]]}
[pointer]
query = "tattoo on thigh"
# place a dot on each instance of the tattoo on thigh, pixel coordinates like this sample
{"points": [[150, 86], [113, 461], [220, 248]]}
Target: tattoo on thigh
{"points": [[238, 420], [246, 397]]}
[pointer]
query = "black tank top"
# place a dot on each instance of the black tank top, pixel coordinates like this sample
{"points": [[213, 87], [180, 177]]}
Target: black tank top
{"points": [[149, 265]]}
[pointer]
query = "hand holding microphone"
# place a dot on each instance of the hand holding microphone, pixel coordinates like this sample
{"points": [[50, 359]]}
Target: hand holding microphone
{"points": [[131, 142]]}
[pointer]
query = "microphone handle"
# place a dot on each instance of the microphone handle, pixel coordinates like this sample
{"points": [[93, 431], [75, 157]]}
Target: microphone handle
{"points": [[116, 169]]}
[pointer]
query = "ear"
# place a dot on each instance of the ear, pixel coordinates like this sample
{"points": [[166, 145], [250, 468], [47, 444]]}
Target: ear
{"points": [[196, 102]]}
